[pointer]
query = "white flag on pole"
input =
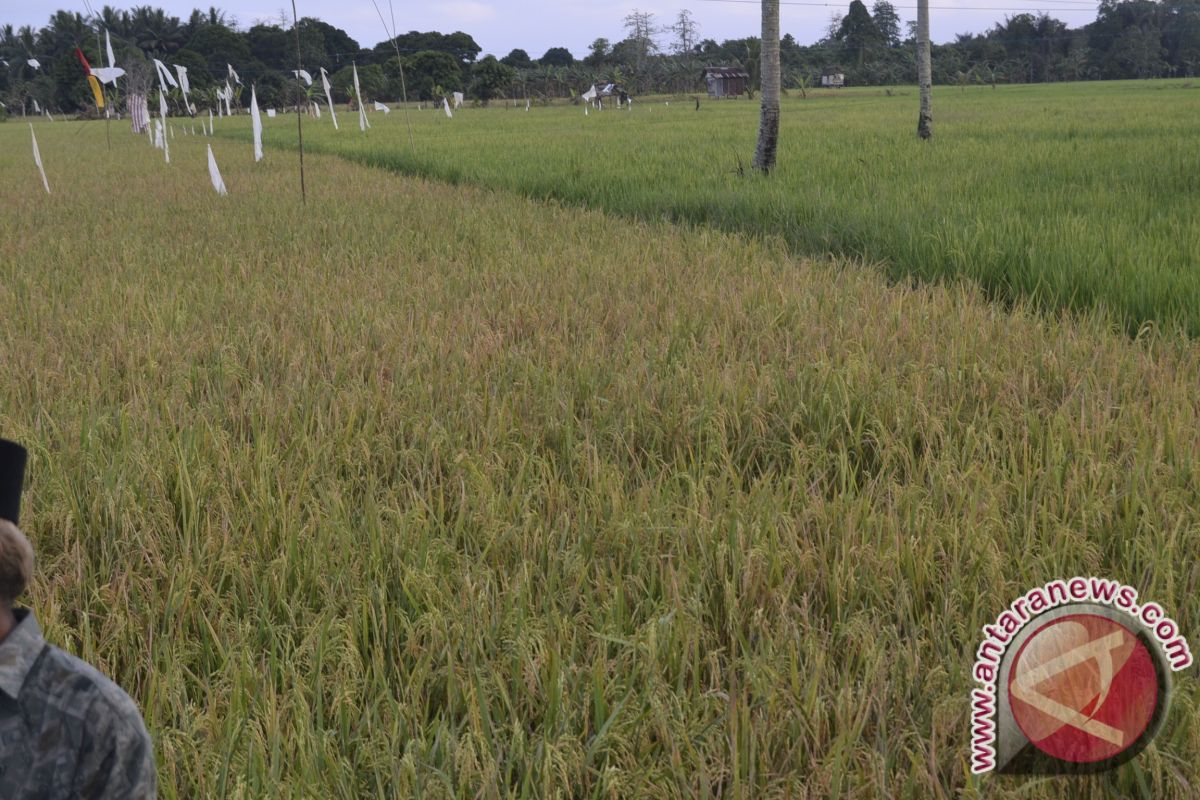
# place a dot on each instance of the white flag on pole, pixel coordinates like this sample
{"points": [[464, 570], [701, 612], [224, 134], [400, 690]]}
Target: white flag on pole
{"points": [[215, 174], [362, 112], [590, 94], [303, 75], [165, 78], [107, 74], [328, 97], [234, 75], [446, 108], [381, 107], [37, 159], [110, 73], [184, 86], [36, 108], [256, 123]]}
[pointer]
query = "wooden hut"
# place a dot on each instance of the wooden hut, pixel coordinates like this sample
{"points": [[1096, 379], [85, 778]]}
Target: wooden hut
{"points": [[725, 81]]}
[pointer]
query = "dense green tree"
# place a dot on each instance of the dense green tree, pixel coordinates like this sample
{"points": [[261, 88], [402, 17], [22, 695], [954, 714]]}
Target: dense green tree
{"points": [[220, 46], [557, 57], [858, 33], [490, 79], [887, 22], [156, 32], [429, 70], [517, 59], [337, 46], [598, 52], [271, 45]]}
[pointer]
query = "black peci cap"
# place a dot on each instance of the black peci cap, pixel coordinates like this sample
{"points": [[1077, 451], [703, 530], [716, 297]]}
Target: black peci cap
{"points": [[12, 474]]}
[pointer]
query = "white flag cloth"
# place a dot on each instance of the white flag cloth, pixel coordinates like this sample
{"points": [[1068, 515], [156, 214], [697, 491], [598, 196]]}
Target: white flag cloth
{"points": [[184, 86], [233, 75], [107, 74], [33, 62], [526, 103], [228, 97], [37, 159], [158, 134], [215, 174], [162, 104], [112, 61], [165, 78], [328, 97], [590, 94], [46, 111], [36, 108], [362, 112], [316, 108], [458, 98], [446, 108], [256, 123], [271, 113], [381, 107], [210, 127], [303, 75]]}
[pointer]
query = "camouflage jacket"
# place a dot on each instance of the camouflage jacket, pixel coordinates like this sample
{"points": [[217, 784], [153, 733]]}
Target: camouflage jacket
{"points": [[66, 731]]}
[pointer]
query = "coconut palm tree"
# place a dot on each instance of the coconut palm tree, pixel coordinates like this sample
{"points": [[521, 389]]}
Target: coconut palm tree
{"points": [[65, 31], [924, 71], [768, 124], [157, 33]]}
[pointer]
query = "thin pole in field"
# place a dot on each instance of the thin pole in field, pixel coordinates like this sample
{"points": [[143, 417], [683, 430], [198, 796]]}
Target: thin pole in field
{"points": [[400, 63], [300, 90]]}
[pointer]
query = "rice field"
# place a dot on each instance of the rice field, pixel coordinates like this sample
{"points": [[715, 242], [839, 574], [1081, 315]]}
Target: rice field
{"points": [[441, 491], [1073, 195]]}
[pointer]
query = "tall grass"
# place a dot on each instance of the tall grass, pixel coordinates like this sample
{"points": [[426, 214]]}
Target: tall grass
{"points": [[430, 491], [1074, 195]]}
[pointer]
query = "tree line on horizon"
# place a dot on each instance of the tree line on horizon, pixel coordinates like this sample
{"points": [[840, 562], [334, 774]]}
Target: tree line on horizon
{"points": [[869, 46]]}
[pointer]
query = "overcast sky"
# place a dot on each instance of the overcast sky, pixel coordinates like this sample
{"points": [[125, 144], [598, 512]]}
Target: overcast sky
{"points": [[535, 25]]}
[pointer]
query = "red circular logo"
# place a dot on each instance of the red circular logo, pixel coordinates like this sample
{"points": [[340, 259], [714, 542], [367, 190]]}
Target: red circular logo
{"points": [[1083, 688]]}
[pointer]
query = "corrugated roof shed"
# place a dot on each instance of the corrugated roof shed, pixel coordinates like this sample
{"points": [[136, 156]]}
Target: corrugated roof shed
{"points": [[724, 72]]}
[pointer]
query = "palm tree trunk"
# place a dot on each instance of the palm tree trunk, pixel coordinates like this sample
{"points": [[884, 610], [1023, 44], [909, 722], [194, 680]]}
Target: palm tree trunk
{"points": [[924, 71], [768, 124]]}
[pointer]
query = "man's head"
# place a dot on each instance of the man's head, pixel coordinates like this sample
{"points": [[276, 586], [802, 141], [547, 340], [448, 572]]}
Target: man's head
{"points": [[16, 563], [16, 554]]}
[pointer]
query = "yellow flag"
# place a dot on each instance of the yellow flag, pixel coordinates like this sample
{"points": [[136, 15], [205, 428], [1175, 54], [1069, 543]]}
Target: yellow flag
{"points": [[95, 84]]}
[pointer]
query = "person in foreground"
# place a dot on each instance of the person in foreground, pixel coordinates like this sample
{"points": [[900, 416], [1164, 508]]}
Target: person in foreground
{"points": [[66, 731]]}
